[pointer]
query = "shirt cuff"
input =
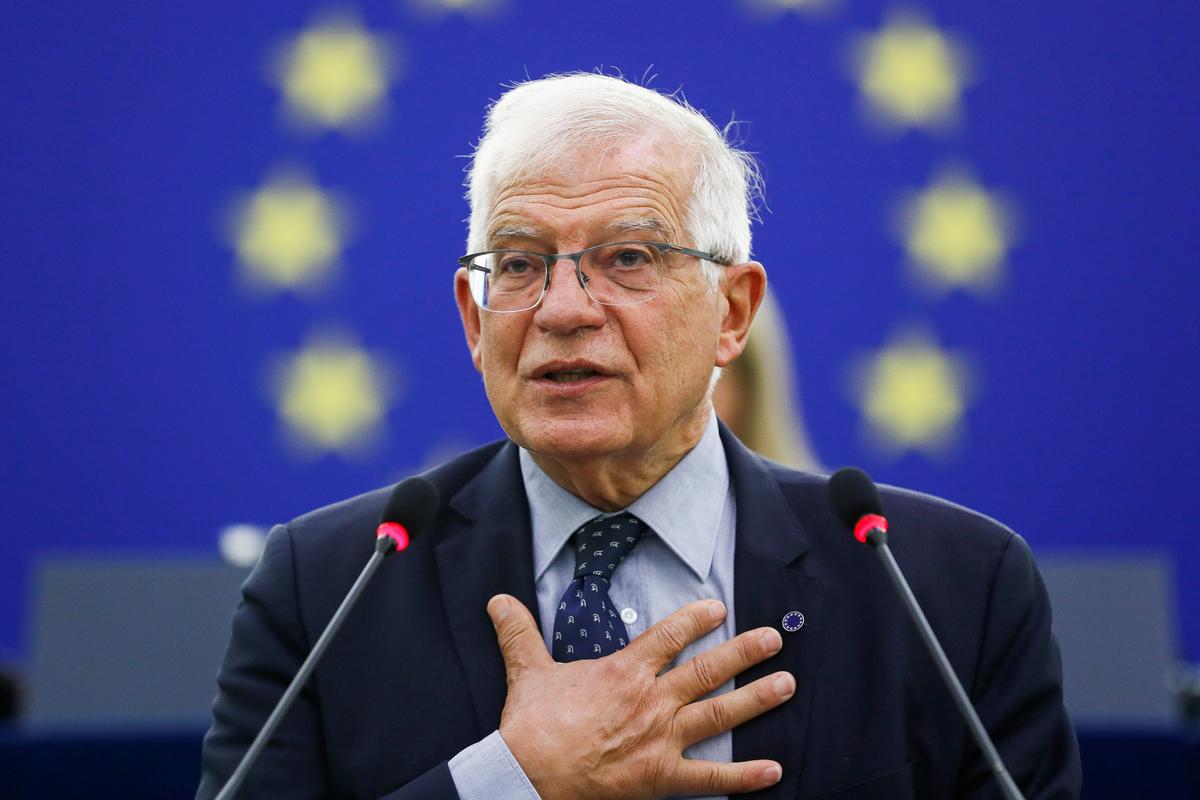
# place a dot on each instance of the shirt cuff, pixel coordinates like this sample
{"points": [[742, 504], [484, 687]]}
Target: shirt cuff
{"points": [[487, 770]]}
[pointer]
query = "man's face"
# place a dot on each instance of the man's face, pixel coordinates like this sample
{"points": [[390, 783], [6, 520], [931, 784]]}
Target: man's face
{"points": [[636, 377]]}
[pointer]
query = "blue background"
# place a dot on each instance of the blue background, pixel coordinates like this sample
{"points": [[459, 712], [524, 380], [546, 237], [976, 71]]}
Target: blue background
{"points": [[133, 415]]}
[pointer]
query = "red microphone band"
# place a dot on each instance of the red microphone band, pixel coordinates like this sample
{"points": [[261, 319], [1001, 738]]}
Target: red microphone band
{"points": [[868, 522], [394, 531]]}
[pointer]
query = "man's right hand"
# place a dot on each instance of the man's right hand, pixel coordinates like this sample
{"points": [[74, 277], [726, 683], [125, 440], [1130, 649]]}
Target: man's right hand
{"points": [[614, 727]]}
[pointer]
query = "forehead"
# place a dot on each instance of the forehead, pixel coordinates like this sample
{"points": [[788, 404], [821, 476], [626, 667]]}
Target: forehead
{"points": [[640, 185]]}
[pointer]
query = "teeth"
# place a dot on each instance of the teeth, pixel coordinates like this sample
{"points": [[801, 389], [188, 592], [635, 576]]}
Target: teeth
{"points": [[570, 376]]}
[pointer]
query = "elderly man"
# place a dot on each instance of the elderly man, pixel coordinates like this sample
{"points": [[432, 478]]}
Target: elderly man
{"points": [[620, 600]]}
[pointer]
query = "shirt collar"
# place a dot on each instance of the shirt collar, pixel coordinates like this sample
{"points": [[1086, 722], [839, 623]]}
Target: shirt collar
{"points": [[684, 508]]}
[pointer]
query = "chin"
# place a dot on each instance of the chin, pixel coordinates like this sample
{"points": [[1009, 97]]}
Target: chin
{"points": [[572, 438]]}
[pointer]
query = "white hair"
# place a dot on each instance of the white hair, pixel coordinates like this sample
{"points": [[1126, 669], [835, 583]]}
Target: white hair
{"points": [[537, 124]]}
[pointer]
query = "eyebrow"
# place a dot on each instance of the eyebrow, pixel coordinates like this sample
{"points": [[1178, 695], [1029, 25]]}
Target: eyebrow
{"points": [[652, 224], [615, 228], [512, 231]]}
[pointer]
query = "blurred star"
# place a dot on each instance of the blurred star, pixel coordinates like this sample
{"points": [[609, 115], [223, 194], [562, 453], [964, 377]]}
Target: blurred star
{"points": [[912, 394], [471, 8], [289, 233], [335, 74], [911, 75], [332, 395], [780, 6], [956, 233]]}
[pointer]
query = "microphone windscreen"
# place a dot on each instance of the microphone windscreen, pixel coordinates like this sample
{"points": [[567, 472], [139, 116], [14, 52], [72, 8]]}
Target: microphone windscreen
{"points": [[413, 504], [853, 495]]}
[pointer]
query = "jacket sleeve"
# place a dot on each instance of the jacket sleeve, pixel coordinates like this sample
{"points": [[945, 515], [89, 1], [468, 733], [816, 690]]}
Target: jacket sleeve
{"points": [[265, 651], [1018, 690]]}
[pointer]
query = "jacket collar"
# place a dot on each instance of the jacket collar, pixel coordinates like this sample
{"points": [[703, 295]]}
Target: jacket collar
{"points": [[772, 578], [484, 552], [487, 549]]}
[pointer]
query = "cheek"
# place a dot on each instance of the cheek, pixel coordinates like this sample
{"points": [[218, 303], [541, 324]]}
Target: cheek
{"points": [[680, 350], [499, 342]]}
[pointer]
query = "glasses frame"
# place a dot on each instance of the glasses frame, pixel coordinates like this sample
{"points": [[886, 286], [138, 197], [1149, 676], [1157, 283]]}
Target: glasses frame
{"points": [[550, 259]]}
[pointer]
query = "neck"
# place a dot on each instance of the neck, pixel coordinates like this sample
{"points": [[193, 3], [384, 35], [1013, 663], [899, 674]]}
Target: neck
{"points": [[613, 482]]}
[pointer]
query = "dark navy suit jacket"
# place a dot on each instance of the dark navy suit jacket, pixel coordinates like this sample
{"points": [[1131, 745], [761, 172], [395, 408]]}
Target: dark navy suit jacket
{"points": [[415, 675]]}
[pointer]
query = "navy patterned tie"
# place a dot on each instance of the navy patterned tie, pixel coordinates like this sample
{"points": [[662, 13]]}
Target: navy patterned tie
{"points": [[586, 625]]}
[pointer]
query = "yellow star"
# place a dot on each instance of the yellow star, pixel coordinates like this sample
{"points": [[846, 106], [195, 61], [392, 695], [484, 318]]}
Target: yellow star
{"points": [[331, 394], [910, 73], [288, 234], [780, 6], [912, 394], [956, 234], [335, 74], [474, 8]]}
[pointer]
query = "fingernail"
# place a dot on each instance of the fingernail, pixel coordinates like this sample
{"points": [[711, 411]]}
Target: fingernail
{"points": [[499, 607], [783, 685], [771, 640], [773, 773], [716, 610]]}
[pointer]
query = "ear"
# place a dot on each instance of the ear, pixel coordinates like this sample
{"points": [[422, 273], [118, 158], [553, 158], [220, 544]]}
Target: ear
{"points": [[743, 287], [469, 313]]}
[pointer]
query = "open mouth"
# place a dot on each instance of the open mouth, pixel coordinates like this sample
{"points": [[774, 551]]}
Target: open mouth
{"points": [[570, 375]]}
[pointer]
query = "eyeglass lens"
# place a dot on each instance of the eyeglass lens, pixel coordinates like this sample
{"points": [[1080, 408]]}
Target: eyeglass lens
{"points": [[618, 273]]}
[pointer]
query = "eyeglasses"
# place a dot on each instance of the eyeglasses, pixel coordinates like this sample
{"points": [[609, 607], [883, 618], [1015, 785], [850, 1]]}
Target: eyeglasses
{"points": [[612, 274]]}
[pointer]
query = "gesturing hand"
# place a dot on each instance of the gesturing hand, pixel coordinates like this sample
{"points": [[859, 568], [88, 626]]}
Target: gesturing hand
{"points": [[627, 741]]}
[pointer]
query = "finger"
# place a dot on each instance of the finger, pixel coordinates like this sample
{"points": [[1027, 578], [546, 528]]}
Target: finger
{"points": [[713, 668], [714, 778], [521, 645], [664, 640], [699, 721]]}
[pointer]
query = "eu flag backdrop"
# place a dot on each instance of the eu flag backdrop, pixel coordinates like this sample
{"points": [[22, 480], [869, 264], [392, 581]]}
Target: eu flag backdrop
{"points": [[230, 231]]}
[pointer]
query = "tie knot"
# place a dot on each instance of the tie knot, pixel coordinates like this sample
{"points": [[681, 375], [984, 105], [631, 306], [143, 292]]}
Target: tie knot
{"points": [[604, 542]]}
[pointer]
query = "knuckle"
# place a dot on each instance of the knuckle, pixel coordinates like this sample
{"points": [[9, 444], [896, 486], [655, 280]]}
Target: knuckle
{"points": [[713, 780], [717, 716], [509, 639], [704, 673], [673, 636], [746, 651]]}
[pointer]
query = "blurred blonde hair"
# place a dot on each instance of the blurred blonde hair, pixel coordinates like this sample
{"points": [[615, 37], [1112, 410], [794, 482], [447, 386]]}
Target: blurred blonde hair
{"points": [[767, 420]]}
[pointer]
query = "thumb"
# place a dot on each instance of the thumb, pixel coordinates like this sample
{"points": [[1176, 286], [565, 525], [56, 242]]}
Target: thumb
{"points": [[520, 643]]}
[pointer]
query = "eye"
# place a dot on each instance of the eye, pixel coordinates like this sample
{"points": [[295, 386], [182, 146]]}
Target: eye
{"points": [[515, 264], [630, 258], [627, 257]]}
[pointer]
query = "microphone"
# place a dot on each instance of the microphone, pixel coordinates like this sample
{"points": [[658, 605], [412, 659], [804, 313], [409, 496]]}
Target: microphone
{"points": [[410, 509], [855, 500]]}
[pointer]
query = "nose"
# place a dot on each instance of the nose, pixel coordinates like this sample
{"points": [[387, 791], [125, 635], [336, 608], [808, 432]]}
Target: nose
{"points": [[566, 306]]}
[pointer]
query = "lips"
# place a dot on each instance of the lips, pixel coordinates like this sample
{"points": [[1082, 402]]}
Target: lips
{"points": [[567, 372], [570, 375]]}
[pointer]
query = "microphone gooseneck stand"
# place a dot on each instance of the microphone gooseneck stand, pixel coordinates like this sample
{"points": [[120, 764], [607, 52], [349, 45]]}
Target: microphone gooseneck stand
{"points": [[383, 546]]}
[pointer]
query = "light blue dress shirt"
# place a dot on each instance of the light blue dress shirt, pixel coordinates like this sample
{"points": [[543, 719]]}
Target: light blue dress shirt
{"points": [[689, 557]]}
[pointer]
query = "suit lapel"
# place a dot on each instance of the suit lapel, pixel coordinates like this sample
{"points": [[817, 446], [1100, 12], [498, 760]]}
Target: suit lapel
{"points": [[770, 580], [488, 552]]}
